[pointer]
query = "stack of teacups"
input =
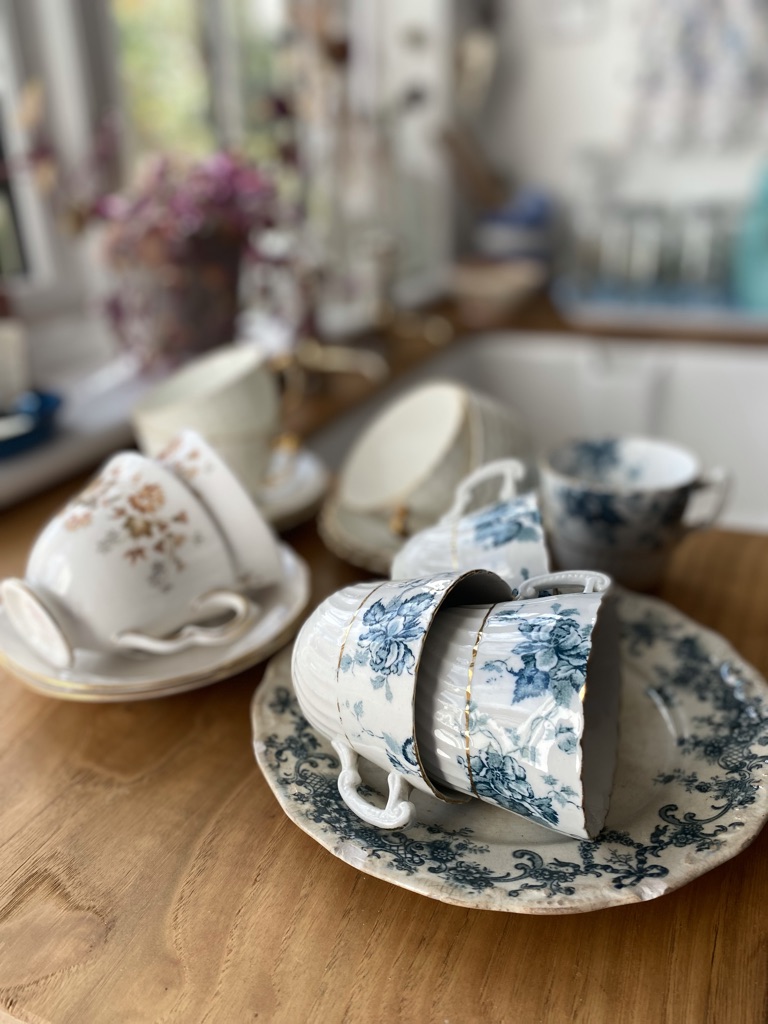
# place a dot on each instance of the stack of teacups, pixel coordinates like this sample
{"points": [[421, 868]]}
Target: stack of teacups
{"points": [[154, 556], [230, 398], [404, 468], [458, 690]]}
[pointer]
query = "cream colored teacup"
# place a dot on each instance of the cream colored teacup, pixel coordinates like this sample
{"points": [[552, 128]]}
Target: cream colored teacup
{"points": [[134, 562], [230, 397], [407, 463]]}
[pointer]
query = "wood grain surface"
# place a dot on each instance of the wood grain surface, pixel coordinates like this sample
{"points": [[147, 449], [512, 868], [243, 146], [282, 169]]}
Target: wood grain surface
{"points": [[148, 874]]}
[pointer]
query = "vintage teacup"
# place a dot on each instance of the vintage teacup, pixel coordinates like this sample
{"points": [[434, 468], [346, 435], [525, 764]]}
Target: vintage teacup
{"points": [[134, 562], [254, 546], [518, 704], [407, 463], [620, 505], [355, 665], [506, 536], [230, 397]]}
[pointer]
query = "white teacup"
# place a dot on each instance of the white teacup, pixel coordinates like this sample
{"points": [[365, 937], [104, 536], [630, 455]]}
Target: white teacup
{"points": [[230, 397], [355, 664], [506, 536], [408, 462], [518, 704], [134, 562], [620, 505], [253, 545]]}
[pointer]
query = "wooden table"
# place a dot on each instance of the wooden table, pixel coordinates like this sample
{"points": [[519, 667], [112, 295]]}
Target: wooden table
{"points": [[148, 874]]}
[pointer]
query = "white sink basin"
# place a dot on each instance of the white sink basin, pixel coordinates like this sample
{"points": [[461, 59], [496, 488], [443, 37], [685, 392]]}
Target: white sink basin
{"points": [[712, 398]]}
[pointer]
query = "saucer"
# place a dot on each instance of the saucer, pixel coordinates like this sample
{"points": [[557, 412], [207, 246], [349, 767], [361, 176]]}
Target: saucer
{"points": [[294, 489], [362, 540], [690, 789], [101, 677]]}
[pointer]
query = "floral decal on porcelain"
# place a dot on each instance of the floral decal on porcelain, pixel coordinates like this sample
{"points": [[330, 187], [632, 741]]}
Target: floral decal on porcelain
{"points": [[186, 461], [593, 459], [141, 526], [553, 654], [721, 753], [385, 645], [402, 756], [637, 519], [501, 779], [505, 523]]}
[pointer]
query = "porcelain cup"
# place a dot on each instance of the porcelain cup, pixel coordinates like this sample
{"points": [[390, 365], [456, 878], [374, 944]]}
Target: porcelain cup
{"points": [[407, 463], [505, 536], [253, 546], [518, 704], [133, 563], [355, 665], [620, 505], [230, 397]]}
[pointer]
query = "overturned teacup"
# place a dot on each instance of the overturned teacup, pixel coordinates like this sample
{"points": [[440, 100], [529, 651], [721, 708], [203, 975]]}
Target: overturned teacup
{"points": [[355, 666], [134, 562], [518, 704], [505, 536], [253, 545], [407, 463], [620, 505]]}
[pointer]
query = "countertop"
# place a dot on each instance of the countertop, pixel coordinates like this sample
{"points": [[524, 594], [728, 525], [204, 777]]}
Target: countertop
{"points": [[147, 872]]}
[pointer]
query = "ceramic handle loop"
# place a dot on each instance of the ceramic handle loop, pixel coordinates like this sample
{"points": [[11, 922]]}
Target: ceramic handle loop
{"points": [[507, 471], [399, 811], [590, 582], [717, 483], [198, 635]]}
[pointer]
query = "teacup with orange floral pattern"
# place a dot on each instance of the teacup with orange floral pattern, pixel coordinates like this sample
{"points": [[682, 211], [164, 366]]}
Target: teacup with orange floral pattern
{"points": [[133, 562]]}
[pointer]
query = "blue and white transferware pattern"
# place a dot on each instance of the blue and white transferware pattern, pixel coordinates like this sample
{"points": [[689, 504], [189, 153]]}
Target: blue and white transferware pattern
{"points": [[619, 504], [524, 707], [690, 790], [505, 536], [355, 664]]}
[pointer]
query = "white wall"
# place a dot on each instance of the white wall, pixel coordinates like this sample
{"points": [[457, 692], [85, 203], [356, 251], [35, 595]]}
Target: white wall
{"points": [[562, 91]]}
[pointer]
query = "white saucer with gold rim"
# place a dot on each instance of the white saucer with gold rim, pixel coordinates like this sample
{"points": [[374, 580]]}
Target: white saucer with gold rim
{"points": [[362, 539]]}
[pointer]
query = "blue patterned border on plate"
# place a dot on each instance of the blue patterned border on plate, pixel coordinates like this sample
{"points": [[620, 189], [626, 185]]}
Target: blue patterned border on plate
{"points": [[703, 806]]}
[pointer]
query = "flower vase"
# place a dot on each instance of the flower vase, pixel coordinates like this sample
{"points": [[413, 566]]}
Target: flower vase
{"points": [[168, 309]]}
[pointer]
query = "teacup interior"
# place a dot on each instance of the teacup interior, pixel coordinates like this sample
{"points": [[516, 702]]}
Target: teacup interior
{"points": [[631, 463], [402, 448]]}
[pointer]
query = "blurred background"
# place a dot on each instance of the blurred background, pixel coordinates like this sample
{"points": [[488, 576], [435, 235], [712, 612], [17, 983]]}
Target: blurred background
{"points": [[355, 185]]}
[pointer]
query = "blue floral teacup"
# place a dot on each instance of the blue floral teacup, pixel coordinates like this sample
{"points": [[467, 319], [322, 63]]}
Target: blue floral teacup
{"points": [[505, 534], [620, 505], [518, 704], [355, 667]]}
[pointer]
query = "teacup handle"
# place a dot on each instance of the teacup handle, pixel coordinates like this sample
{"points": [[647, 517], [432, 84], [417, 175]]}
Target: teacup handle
{"points": [[195, 635], [590, 582], [718, 483], [399, 811], [507, 471]]}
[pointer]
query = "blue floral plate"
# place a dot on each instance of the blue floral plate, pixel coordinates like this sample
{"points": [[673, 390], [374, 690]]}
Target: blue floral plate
{"points": [[690, 789]]}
